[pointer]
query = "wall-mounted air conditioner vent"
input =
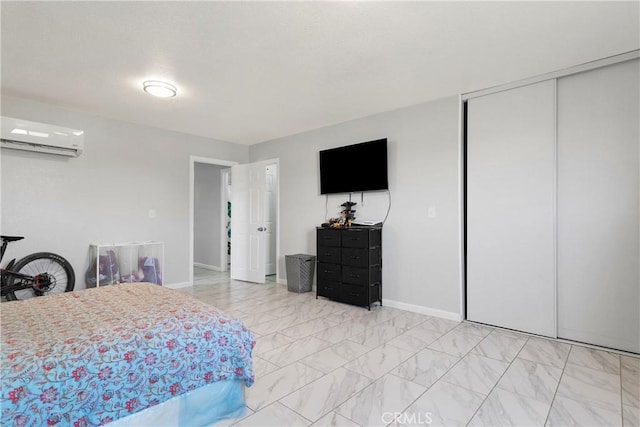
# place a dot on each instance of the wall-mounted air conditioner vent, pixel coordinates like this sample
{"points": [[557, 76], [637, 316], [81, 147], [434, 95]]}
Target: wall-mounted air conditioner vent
{"points": [[25, 135]]}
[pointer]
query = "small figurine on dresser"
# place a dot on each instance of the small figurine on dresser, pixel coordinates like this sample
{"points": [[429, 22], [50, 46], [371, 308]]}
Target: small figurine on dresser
{"points": [[348, 213], [346, 216]]}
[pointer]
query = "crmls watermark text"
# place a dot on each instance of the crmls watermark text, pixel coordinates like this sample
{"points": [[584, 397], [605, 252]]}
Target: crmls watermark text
{"points": [[410, 418]]}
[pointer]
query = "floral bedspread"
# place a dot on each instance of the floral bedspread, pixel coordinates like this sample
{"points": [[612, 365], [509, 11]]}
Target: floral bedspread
{"points": [[93, 356]]}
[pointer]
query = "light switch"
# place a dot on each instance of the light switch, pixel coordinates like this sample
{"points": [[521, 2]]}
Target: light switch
{"points": [[431, 212], [152, 213]]}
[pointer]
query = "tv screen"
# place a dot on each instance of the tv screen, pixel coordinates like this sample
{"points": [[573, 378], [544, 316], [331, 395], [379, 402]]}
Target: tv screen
{"points": [[354, 168]]}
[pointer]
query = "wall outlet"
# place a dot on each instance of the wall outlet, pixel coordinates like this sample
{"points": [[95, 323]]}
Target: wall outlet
{"points": [[152, 213], [431, 212]]}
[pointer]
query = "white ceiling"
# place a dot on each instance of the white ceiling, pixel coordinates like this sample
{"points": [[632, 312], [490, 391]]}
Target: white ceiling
{"points": [[248, 72]]}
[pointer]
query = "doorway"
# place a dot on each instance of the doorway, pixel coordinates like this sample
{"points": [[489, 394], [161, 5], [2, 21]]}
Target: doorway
{"points": [[205, 217], [221, 211]]}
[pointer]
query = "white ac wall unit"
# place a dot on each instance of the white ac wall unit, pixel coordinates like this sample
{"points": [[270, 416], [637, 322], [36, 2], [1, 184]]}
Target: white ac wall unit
{"points": [[25, 135]]}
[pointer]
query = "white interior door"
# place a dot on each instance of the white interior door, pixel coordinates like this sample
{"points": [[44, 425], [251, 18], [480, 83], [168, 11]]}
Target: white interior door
{"points": [[511, 209], [598, 207], [248, 236]]}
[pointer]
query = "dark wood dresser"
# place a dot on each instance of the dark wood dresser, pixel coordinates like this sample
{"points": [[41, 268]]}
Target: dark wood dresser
{"points": [[350, 264]]}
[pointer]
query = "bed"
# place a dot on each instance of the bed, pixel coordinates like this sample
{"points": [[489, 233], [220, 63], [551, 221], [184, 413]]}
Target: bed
{"points": [[105, 355]]}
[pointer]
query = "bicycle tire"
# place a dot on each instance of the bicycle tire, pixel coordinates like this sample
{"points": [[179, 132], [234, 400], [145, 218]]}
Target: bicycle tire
{"points": [[50, 263]]}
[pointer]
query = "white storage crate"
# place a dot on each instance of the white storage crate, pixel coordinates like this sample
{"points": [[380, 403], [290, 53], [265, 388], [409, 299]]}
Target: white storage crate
{"points": [[112, 263]]}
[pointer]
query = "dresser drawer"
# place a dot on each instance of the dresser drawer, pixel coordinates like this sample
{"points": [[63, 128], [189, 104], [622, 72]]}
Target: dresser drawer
{"points": [[375, 292], [328, 237], [355, 238], [355, 295], [360, 276], [360, 257], [328, 289], [330, 272], [329, 254]]}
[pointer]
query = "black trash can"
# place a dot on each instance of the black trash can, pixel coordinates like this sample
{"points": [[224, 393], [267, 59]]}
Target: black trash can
{"points": [[300, 269]]}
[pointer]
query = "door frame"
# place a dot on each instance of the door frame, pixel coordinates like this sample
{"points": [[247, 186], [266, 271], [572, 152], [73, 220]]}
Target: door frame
{"points": [[192, 176], [276, 161], [224, 180], [277, 203]]}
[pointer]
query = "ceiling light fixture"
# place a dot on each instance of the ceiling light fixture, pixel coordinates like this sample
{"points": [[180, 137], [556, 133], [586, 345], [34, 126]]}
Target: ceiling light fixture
{"points": [[159, 88]]}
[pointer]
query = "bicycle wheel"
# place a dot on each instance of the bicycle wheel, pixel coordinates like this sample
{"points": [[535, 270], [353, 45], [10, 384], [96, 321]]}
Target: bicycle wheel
{"points": [[52, 275]]}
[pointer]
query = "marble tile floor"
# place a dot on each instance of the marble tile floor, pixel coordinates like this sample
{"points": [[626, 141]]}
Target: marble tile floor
{"points": [[322, 363], [204, 276]]}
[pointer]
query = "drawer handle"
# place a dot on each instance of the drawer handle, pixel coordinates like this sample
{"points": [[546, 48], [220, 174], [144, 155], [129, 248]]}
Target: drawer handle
{"points": [[354, 295], [355, 257], [328, 254], [328, 271], [328, 289], [355, 276]]}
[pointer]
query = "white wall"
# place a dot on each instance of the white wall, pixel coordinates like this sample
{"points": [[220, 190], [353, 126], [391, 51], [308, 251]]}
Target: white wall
{"points": [[421, 256], [62, 205], [104, 195], [206, 214]]}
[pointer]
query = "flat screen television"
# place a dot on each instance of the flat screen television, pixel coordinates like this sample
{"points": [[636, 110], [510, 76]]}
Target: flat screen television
{"points": [[354, 168]]}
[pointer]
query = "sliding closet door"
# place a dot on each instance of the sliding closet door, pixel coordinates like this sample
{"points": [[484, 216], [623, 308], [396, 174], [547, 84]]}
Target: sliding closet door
{"points": [[598, 207], [511, 209]]}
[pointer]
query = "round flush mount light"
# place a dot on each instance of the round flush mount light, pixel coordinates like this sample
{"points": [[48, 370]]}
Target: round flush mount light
{"points": [[159, 88]]}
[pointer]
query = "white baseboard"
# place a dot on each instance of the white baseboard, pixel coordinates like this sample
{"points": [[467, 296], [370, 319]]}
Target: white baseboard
{"points": [[207, 266], [178, 285], [449, 315]]}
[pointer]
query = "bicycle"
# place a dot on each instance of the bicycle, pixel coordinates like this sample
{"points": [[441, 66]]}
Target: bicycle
{"points": [[38, 274]]}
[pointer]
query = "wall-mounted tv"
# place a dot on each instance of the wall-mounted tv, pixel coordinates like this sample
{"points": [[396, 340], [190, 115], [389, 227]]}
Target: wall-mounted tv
{"points": [[354, 168]]}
